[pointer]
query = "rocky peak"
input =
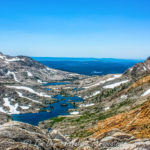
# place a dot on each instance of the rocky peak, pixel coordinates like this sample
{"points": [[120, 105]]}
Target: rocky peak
{"points": [[138, 70], [148, 58]]}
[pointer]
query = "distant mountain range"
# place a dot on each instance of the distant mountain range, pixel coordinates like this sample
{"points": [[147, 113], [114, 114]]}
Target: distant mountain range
{"points": [[85, 59]]}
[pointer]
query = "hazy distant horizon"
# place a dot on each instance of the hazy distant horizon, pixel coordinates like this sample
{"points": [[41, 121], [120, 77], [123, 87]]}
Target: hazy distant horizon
{"points": [[80, 57]]}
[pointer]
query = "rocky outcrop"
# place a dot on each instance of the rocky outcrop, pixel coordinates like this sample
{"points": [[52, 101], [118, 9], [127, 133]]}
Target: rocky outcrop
{"points": [[21, 136], [14, 135], [139, 69], [115, 140]]}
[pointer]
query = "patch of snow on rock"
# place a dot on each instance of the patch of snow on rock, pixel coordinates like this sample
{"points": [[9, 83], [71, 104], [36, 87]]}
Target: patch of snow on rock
{"points": [[14, 75], [86, 105], [95, 93], [146, 93], [21, 95], [29, 90], [74, 113], [12, 108], [144, 68], [104, 81], [2, 57], [131, 69], [39, 81], [111, 86], [25, 107], [29, 74], [123, 97], [14, 59], [107, 108]]}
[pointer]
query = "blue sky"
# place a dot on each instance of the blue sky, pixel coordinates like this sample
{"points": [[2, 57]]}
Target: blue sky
{"points": [[75, 28]]}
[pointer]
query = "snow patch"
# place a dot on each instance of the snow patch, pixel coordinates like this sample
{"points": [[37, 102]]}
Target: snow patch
{"points": [[39, 81], [144, 68], [74, 113], [29, 90], [2, 57], [14, 59], [11, 59], [21, 95], [146, 93], [29, 74], [25, 107], [123, 97], [12, 108], [86, 105], [95, 93], [104, 81], [48, 68], [131, 69], [111, 86], [107, 108], [14, 75]]}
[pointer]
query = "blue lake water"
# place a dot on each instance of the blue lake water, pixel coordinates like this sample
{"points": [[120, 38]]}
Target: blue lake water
{"points": [[48, 89], [35, 118], [56, 83], [88, 66]]}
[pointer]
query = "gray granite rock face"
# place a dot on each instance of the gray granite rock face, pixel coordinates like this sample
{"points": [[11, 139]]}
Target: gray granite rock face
{"points": [[21, 136]]}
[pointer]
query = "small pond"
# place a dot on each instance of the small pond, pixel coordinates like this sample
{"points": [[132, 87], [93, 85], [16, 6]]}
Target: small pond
{"points": [[56, 83]]}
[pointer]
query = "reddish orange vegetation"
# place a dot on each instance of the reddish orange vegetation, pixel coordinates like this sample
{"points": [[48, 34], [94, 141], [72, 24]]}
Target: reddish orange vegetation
{"points": [[135, 122]]}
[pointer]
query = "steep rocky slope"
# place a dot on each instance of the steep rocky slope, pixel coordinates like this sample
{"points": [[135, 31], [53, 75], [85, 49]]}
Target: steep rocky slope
{"points": [[21, 80]]}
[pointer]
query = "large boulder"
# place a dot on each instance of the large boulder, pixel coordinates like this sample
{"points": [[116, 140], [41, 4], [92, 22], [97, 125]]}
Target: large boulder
{"points": [[18, 136]]}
